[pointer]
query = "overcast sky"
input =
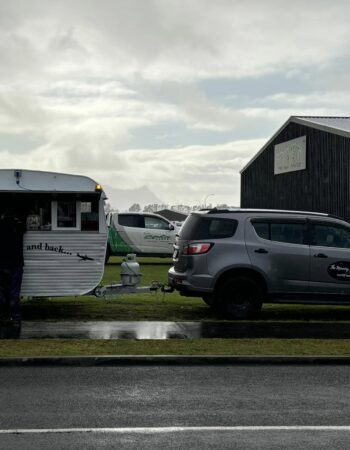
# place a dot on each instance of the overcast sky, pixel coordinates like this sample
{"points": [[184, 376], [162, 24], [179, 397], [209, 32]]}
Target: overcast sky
{"points": [[174, 94]]}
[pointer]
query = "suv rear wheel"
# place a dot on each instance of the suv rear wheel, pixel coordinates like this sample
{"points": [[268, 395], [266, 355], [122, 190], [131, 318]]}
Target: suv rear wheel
{"points": [[239, 297], [208, 299]]}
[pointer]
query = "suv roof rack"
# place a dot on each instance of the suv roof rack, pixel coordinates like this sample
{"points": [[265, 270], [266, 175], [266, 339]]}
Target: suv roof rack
{"points": [[277, 211]]}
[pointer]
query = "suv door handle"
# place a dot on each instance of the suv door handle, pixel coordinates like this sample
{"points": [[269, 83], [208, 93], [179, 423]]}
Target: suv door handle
{"points": [[320, 255], [261, 250]]}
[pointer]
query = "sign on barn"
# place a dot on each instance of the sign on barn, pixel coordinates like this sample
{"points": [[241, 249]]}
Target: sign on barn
{"points": [[290, 155]]}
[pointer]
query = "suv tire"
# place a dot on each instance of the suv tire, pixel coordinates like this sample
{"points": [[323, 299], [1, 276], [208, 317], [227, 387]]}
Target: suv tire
{"points": [[208, 299], [239, 297]]}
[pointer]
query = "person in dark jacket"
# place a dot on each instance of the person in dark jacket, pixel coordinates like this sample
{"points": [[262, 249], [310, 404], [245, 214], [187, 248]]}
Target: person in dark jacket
{"points": [[12, 230]]}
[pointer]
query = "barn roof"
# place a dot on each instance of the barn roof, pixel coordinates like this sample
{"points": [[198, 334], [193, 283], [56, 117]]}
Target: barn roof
{"points": [[335, 125], [172, 215]]}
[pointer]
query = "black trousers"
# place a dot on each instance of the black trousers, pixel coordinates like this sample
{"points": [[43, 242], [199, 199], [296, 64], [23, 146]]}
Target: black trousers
{"points": [[10, 288]]}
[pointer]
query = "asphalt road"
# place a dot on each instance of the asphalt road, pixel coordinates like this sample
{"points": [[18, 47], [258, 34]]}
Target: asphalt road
{"points": [[73, 407]]}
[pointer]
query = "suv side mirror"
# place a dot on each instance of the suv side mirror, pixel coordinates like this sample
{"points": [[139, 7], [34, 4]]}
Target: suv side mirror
{"points": [[171, 227]]}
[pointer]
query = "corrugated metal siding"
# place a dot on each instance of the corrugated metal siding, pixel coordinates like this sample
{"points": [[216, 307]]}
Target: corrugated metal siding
{"points": [[52, 267], [338, 123], [322, 187]]}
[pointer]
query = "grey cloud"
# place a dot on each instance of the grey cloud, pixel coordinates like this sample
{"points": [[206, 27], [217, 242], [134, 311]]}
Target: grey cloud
{"points": [[19, 144], [95, 159], [87, 88], [196, 169], [67, 41], [217, 167], [20, 112], [187, 40], [85, 78]]}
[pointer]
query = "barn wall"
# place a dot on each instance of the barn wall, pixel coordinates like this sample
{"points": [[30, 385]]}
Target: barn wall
{"points": [[322, 187]]}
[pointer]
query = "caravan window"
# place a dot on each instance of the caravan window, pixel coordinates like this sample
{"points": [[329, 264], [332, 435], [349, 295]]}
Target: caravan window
{"points": [[90, 215], [54, 212], [37, 214], [82, 214], [32, 209], [66, 215]]}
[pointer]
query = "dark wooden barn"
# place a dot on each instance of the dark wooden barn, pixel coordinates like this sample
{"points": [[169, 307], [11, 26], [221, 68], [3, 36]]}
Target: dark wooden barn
{"points": [[305, 166]]}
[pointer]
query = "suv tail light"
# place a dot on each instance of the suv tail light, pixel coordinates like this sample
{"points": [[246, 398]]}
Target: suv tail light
{"points": [[197, 249]]}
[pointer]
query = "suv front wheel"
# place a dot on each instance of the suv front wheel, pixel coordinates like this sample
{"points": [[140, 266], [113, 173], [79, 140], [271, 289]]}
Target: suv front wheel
{"points": [[239, 297]]}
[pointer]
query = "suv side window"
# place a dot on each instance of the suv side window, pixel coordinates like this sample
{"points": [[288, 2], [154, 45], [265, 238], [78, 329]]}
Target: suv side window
{"points": [[326, 235], [262, 229], [293, 233], [288, 232]]}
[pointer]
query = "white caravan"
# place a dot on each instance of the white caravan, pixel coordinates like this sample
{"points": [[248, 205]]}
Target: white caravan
{"points": [[65, 242]]}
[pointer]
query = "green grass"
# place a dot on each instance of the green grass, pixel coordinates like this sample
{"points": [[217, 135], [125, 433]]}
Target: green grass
{"points": [[63, 347], [132, 307], [149, 306], [172, 307]]}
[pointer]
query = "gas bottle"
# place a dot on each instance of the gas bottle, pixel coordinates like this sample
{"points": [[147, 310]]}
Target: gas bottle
{"points": [[130, 271]]}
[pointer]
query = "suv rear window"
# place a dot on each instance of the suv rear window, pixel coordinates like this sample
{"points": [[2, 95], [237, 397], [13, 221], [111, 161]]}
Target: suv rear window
{"points": [[199, 227]]}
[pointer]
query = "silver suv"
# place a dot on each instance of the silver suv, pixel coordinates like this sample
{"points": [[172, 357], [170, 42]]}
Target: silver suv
{"points": [[237, 259]]}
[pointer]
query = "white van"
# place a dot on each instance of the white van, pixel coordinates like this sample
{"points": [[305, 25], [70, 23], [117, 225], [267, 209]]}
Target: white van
{"points": [[145, 234]]}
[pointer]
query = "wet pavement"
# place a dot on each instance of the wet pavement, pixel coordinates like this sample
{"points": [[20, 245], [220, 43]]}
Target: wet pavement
{"points": [[174, 330]]}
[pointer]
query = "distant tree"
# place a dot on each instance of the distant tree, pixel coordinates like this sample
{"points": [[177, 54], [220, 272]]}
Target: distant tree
{"points": [[148, 208], [154, 207], [135, 208]]}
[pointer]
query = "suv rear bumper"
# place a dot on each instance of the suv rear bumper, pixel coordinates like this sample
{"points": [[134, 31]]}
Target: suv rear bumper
{"points": [[179, 281]]}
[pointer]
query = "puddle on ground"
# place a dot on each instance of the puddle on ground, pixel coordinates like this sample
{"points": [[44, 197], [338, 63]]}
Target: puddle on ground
{"points": [[173, 330]]}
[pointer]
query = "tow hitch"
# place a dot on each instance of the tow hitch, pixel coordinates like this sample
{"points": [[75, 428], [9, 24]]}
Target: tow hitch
{"points": [[119, 289], [167, 288], [130, 281]]}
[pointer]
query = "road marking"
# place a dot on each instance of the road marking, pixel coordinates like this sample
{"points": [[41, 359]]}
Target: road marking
{"points": [[159, 430]]}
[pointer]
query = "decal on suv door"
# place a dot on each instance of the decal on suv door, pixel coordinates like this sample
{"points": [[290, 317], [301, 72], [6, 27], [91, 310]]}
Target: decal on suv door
{"points": [[340, 270]]}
